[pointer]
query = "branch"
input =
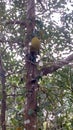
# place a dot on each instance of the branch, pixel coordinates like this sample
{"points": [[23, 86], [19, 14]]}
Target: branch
{"points": [[17, 22], [39, 1], [57, 65]]}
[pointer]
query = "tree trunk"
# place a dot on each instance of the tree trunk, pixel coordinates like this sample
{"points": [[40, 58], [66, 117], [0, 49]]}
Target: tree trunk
{"points": [[3, 102], [30, 114], [31, 104]]}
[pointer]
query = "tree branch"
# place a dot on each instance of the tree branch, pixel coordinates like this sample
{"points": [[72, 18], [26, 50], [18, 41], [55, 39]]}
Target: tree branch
{"points": [[55, 66], [39, 1], [23, 23]]}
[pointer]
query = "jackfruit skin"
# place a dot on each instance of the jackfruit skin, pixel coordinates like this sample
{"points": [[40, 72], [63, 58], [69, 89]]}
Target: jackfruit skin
{"points": [[34, 51], [18, 128], [35, 44]]}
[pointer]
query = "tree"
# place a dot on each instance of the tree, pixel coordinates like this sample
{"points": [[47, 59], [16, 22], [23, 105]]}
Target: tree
{"points": [[18, 25]]}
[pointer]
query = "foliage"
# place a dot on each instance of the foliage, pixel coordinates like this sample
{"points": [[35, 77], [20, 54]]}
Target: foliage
{"points": [[55, 96]]}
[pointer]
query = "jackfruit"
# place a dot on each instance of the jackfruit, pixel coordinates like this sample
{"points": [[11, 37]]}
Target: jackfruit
{"points": [[18, 128], [35, 43]]}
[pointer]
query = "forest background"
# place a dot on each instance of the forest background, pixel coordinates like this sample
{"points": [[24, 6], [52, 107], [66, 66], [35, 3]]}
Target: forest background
{"points": [[53, 25]]}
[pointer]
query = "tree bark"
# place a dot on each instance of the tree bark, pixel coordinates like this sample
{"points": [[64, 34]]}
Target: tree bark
{"points": [[56, 65], [3, 102], [30, 114]]}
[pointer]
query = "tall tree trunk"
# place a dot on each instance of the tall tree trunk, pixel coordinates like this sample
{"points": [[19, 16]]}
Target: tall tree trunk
{"points": [[3, 103], [30, 114]]}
